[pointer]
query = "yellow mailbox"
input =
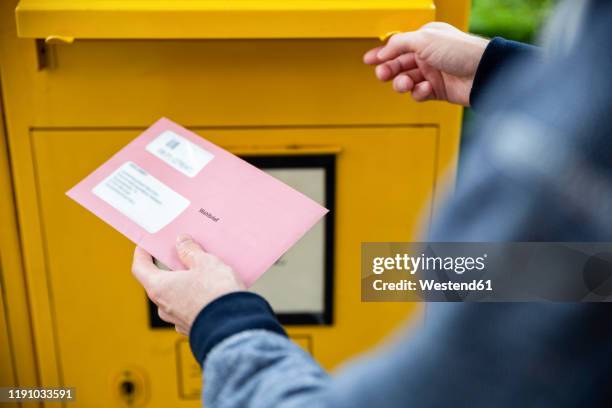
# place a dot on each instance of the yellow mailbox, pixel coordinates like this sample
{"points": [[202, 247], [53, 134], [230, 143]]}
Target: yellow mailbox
{"points": [[280, 83]]}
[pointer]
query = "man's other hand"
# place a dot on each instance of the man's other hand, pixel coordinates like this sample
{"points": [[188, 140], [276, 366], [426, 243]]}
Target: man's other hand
{"points": [[437, 61], [181, 295]]}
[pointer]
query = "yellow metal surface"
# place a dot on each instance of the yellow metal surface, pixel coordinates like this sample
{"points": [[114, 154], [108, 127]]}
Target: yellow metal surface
{"points": [[190, 19], [17, 362], [7, 362], [75, 314], [453, 12]]}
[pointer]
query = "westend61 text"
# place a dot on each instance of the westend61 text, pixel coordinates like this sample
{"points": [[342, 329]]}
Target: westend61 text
{"points": [[432, 285]]}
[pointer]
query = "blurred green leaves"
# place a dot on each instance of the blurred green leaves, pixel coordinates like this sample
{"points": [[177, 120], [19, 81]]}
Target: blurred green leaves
{"points": [[512, 19]]}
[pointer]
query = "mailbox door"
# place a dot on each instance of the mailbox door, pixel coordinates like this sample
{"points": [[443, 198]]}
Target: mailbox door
{"points": [[100, 313]]}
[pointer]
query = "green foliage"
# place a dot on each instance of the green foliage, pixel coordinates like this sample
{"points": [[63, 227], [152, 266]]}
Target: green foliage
{"points": [[512, 19]]}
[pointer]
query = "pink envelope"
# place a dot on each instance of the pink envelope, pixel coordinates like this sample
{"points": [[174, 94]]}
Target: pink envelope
{"points": [[169, 181]]}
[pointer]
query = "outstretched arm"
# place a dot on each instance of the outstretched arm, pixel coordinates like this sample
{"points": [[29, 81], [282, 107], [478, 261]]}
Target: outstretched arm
{"points": [[467, 355], [440, 62]]}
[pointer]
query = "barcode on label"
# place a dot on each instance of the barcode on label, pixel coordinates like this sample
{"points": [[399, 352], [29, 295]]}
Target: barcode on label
{"points": [[180, 153]]}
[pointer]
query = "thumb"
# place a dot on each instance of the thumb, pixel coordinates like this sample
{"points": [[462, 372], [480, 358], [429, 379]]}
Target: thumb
{"points": [[143, 268], [190, 252]]}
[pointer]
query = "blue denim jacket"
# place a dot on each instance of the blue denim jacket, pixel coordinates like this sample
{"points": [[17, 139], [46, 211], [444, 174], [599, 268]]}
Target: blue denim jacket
{"points": [[538, 169]]}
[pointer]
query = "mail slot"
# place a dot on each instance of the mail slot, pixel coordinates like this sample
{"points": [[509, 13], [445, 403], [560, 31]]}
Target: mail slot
{"points": [[299, 286], [281, 85]]}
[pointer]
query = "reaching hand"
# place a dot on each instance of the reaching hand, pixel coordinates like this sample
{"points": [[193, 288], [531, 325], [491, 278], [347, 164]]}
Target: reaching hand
{"points": [[437, 61], [180, 295]]}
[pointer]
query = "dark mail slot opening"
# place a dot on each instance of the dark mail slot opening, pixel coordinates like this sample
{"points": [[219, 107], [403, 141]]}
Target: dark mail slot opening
{"points": [[299, 286]]}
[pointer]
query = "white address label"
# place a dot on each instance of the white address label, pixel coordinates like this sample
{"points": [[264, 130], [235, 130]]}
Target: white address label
{"points": [[141, 197], [180, 153]]}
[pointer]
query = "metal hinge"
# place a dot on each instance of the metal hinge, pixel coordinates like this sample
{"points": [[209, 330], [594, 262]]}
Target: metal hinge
{"points": [[44, 49]]}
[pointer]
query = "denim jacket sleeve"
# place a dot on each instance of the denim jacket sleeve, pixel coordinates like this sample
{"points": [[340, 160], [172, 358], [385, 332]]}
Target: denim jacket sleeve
{"points": [[248, 359]]}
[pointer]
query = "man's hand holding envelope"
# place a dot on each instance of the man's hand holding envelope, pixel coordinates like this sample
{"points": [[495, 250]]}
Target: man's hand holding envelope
{"points": [[180, 295], [169, 183]]}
